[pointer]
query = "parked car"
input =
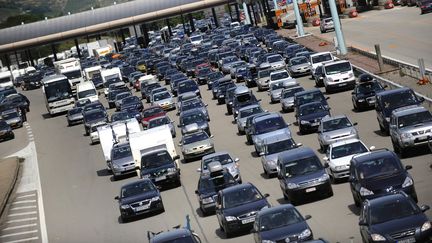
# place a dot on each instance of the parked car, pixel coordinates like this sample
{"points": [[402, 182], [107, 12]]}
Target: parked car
{"points": [[298, 66], [150, 113], [193, 116], [163, 99], [326, 24], [176, 235], [335, 128], [244, 113], [12, 117], [425, 6], [338, 75], [160, 121], [122, 162]]}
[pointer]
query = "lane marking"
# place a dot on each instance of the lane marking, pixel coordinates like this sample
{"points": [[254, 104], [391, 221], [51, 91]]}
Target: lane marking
{"points": [[24, 201], [22, 240], [24, 207], [19, 233], [20, 214], [29, 195], [20, 220], [19, 227]]}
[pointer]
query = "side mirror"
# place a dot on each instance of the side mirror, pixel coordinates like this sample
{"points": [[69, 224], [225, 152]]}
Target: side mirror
{"points": [[259, 100], [196, 192], [178, 125], [327, 98], [355, 124], [266, 195], [236, 160], [352, 92], [385, 86], [199, 170], [117, 198], [212, 136], [372, 148], [421, 99], [307, 217], [176, 157], [180, 144], [288, 124], [265, 110], [205, 105], [408, 167], [326, 165], [351, 179], [299, 144], [99, 93], [261, 154], [362, 223], [424, 208]]}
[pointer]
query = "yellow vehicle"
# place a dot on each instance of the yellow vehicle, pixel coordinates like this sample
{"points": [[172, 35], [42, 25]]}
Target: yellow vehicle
{"points": [[140, 66]]}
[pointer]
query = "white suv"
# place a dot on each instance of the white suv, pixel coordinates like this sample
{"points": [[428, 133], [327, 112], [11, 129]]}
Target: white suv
{"points": [[326, 24], [338, 75]]}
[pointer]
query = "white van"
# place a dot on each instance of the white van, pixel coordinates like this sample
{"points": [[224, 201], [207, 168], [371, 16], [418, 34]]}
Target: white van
{"points": [[318, 58], [87, 90], [338, 75]]}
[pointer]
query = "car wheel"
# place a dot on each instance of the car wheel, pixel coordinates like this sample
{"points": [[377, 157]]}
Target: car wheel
{"points": [[395, 147], [240, 132], [204, 213], [330, 192], [265, 171], [178, 183], [162, 209], [12, 136], [356, 202]]}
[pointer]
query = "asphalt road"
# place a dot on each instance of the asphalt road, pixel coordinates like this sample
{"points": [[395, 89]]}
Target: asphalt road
{"points": [[402, 33], [79, 194]]}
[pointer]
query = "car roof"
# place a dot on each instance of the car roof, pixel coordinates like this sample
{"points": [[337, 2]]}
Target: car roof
{"points": [[215, 154], [329, 118], [311, 104], [267, 116], [136, 182], [237, 187], [296, 154], [381, 153], [249, 107], [171, 235], [407, 110], [393, 91]]}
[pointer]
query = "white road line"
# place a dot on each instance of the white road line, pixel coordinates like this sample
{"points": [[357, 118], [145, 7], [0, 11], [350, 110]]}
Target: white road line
{"points": [[29, 195], [20, 220], [19, 227], [19, 233], [24, 201], [20, 214], [24, 207], [22, 240]]}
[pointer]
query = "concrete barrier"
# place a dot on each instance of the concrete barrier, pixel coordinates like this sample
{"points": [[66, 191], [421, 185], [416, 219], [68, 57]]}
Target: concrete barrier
{"points": [[9, 171]]}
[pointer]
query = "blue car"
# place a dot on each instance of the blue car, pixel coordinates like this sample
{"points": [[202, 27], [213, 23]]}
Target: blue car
{"points": [[309, 116]]}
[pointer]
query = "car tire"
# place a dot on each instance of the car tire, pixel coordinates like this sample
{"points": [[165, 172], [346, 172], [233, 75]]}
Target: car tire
{"points": [[357, 203], [204, 213], [240, 132], [124, 219], [178, 184]]}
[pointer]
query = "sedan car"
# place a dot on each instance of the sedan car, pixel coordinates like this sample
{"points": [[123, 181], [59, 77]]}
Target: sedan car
{"points": [[237, 206], [74, 116], [194, 116], [244, 113], [6, 131], [93, 117], [132, 101], [196, 144], [309, 116], [12, 117], [16, 100], [394, 218], [163, 99], [287, 97], [363, 95], [122, 162], [281, 223], [160, 121], [335, 128], [119, 99], [139, 197], [298, 66], [150, 113], [226, 160]]}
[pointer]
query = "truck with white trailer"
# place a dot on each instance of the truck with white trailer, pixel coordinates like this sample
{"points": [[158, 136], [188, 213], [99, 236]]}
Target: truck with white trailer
{"points": [[6, 79], [71, 68]]}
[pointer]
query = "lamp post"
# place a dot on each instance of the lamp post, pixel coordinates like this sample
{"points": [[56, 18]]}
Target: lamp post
{"points": [[298, 19]]}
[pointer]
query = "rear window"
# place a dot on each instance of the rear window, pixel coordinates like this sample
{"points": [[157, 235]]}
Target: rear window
{"points": [[322, 58]]}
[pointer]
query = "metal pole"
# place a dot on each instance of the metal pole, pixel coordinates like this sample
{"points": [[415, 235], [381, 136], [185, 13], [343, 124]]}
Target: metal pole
{"points": [[6, 56], [230, 12], [54, 51], [169, 27], [77, 47], [246, 13], [183, 22], [191, 22], [135, 31], [237, 11], [254, 14], [215, 18], [16, 58], [338, 30], [29, 55], [145, 34], [276, 7], [123, 36], [379, 57], [298, 19]]}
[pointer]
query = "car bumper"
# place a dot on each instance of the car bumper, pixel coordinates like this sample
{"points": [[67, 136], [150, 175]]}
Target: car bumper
{"points": [[300, 72], [198, 153], [309, 127], [208, 207], [6, 135], [341, 85], [238, 225], [416, 141], [124, 170], [408, 190], [303, 192], [130, 212], [340, 174]]}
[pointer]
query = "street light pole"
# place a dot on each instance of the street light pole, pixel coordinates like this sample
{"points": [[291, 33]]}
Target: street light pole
{"points": [[339, 35], [298, 19]]}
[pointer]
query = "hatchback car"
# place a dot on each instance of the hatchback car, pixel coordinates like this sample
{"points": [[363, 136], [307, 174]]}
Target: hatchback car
{"points": [[237, 206], [335, 128], [281, 223], [193, 116], [226, 160], [12, 117], [122, 161], [74, 116], [302, 175], [309, 116], [326, 24], [287, 97], [139, 197], [5, 131], [363, 95], [298, 66], [150, 113], [378, 173], [394, 218], [244, 113], [196, 144], [183, 235]]}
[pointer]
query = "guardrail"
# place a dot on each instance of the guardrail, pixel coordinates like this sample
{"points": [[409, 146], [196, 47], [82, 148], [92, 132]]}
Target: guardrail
{"points": [[405, 68]]}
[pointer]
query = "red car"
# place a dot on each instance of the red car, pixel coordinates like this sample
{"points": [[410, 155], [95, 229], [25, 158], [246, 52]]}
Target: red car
{"points": [[150, 113]]}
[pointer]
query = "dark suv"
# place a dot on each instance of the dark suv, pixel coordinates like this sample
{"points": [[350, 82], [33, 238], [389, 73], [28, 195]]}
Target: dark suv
{"points": [[389, 100], [378, 173]]}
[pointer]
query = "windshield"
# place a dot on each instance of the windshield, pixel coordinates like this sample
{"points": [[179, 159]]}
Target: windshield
{"points": [[414, 119], [269, 125], [291, 92], [369, 87], [137, 188], [336, 124], [108, 82], [112, 76], [279, 219], [121, 152], [193, 118], [122, 95], [400, 99], [216, 183], [155, 160], [196, 38], [5, 80], [264, 73], [75, 111], [311, 109], [86, 93], [94, 115], [310, 97], [396, 209], [302, 167], [152, 111], [240, 197], [280, 75], [223, 159], [299, 60], [11, 115], [158, 122], [161, 96], [322, 58], [73, 74], [277, 85], [348, 149], [273, 59], [191, 105], [120, 116], [196, 137], [379, 167], [58, 90], [214, 76], [131, 99], [338, 68], [280, 146], [250, 111]]}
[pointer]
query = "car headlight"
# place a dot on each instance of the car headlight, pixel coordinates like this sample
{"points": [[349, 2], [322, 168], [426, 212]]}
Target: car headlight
{"points": [[330, 79], [154, 199], [365, 192], [208, 200], [304, 122], [408, 182], [425, 226], [292, 185], [267, 241], [350, 75], [305, 234], [230, 218], [360, 100], [116, 166], [145, 176], [126, 206], [327, 137], [377, 237], [324, 178], [406, 135]]}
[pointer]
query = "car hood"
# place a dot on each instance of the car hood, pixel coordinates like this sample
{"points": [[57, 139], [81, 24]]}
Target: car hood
{"points": [[284, 232], [168, 100], [139, 197], [201, 125], [260, 137], [303, 65], [307, 177], [146, 119], [314, 115], [154, 172], [123, 161], [398, 225], [379, 184], [341, 161], [197, 144], [338, 132], [246, 208]]}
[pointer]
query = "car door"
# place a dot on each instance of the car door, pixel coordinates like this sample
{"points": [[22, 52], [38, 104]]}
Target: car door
{"points": [[364, 212], [219, 212], [353, 180], [281, 178], [393, 129]]}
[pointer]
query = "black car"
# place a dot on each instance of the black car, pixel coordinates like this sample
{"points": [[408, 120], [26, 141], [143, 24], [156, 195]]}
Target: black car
{"points": [[217, 83], [188, 86], [112, 93], [363, 96], [138, 198], [210, 183], [31, 81], [394, 218], [133, 110], [237, 206], [211, 77], [195, 115], [158, 166], [5, 131], [181, 235], [282, 223], [74, 116], [93, 117], [302, 175], [377, 173], [202, 75], [229, 96], [220, 95], [16, 101], [309, 116], [132, 101], [309, 96], [81, 103]]}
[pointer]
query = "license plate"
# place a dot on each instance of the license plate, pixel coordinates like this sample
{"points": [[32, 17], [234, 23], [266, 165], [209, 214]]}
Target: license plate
{"points": [[312, 189], [247, 221], [160, 178], [315, 124], [143, 207], [409, 240], [342, 84]]}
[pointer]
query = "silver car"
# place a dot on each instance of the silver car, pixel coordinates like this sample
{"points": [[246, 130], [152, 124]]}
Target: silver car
{"points": [[160, 121], [12, 117], [164, 100], [267, 126], [226, 160], [244, 113], [122, 161], [275, 91], [94, 134], [335, 128], [272, 147], [196, 144], [287, 97], [276, 62], [410, 127], [263, 79], [298, 66]]}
